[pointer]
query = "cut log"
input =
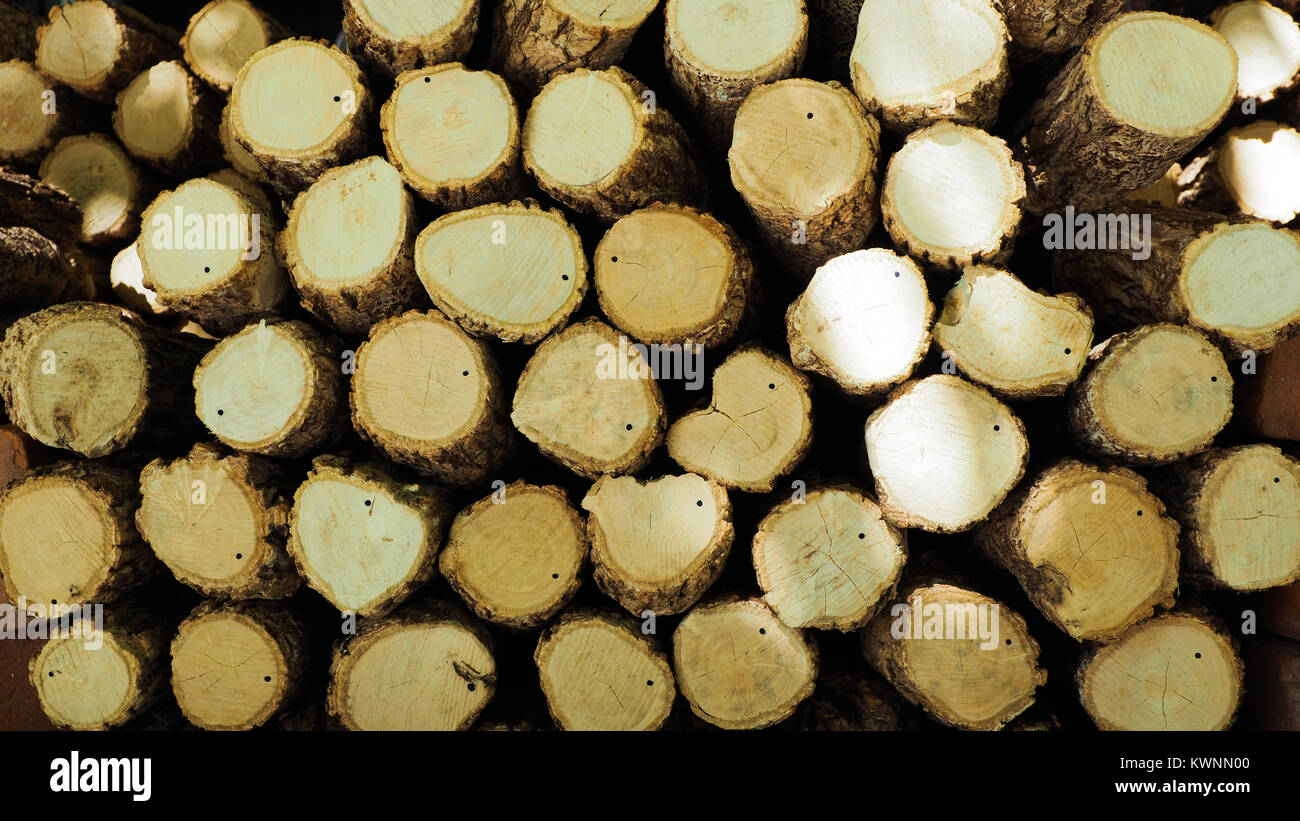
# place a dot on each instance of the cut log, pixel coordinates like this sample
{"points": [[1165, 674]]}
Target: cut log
{"points": [[205, 254], [755, 429], [250, 189], [1270, 398], [219, 522], [515, 556], [1151, 396], [27, 202], [1144, 90], [17, 32], [426, 668], [300, 107], [599, 672], [952, 196], [1267, 42], [221, 37], [966, 659], [804, 157], [1248, 171], [739, 666], [658, 544], [81, 376], [34, 271], [363, 538], [96, 49], [1175, 672], [274, 388], [863, 321], [534, 41], [833, 542], [852, 701], [599, 142], [236, 154], [1236, 281], [1239, 508], [1049, 27], [453, 134], [126, 276], [1163, 192], [110, 188], [1091, 547], [67, 536], [169, 120], [234, 665], [19, 454], [673, 274], [915, 62], [610, 419], [418, 361], [388, 38], [99, 677], [943, 454], [348, 246], [1016, 342], [35, 113], [718, 51], [515, 272]]}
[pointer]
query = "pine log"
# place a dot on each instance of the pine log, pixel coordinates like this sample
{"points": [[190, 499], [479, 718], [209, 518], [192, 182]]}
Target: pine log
{"points": [[533, 41], [453, 133], [1018, 343], [424, 668], [600, 143], [1231, 279], [944, 453], [756, 427], [300, 107], [34, 271], [126, 277], [718, 51], [234, 153], [1270, 397], [17, 32], [388, 38], [600, 672], [1143, 90], [674, 274], [101, 678], [348, 246], [67, 536], [966, 659], [418, 362], [804, 157], [1239, 508], [515, 272], [234, 665], [1267, 42], [219, 521], [1050, 27], [1091, 547], [590, 403], [96, 49], [657, 544], [363, 538], [952, 196], [207, 252], [36, 113], [829, 559], [515, 556], [1151, 396], [739, 666], [221, 37], [275, 388], [110, 188], [82, 376], [863, 321], [168, 119], [1175, 672], [1248, 171], [916, 62]]}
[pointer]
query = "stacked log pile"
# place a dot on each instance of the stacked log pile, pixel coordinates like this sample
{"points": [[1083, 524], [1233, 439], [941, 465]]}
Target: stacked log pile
{"points": [[840, 364]]}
